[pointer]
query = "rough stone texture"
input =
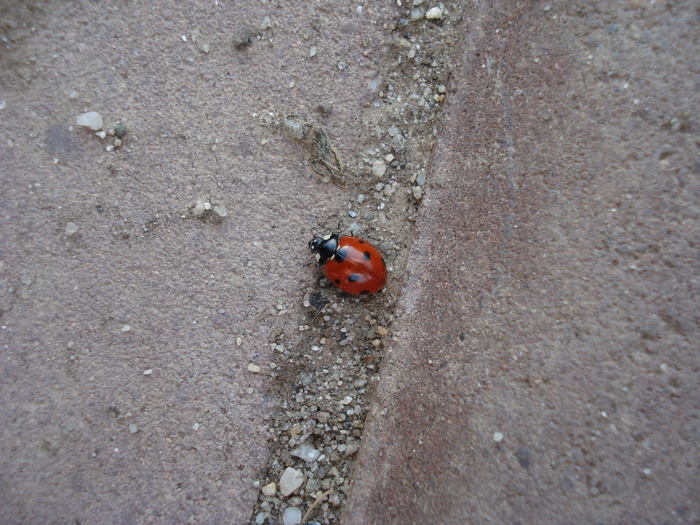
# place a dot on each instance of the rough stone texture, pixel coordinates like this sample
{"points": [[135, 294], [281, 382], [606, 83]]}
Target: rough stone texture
{"points": [[531, 307], [86, 436], [552, 290]]}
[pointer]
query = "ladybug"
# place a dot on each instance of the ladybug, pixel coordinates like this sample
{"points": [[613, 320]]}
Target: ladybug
{"points": [[350, 263]]}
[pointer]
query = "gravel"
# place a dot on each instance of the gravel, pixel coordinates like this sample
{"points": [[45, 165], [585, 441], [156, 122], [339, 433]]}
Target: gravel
{"points": [[91, 119], [325, 382]]}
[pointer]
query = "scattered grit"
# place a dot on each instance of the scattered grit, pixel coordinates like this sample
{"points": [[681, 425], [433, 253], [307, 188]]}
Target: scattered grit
{"points": [[325, 385]]}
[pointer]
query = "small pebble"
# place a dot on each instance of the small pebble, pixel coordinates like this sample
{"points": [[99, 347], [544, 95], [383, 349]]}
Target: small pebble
{"points": [[133, 429], [71, 229], [434, 13], [126, 328], [117, 143], [417, 192], [119, 131], [291, 516], [352, 214], [416, 14], [270, 489], [244, 38], [306, 452], [497, 437], [290, 481], [91, 119], [147, 372], [378, 168], [199, 208], [220, 210], [313, 52], [253, 368]]}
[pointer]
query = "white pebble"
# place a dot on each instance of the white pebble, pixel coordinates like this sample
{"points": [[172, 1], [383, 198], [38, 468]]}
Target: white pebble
{"points": [[71, 229], [220, 210], [199, 209], [126, 328], [378, 168], [291, 516], [270, 489], [91, 119], [290, 481], [147, 372], [253, 368], [434, 13], [417, 192], [313, 51], [307, 453], [497, 437], [133, 429], [101, 134]]}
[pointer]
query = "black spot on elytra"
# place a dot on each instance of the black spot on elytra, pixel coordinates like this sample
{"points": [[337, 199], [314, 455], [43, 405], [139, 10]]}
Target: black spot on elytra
{"points": [[341, 255], [367, 256], [337, 281], [364, 292], [361, 241], [353, 278]]}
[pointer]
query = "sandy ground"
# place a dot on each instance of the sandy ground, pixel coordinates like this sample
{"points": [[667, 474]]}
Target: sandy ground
{"points": [[534, 356]]}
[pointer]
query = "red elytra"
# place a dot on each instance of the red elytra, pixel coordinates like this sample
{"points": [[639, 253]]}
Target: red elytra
{"points": [[350, 263]]}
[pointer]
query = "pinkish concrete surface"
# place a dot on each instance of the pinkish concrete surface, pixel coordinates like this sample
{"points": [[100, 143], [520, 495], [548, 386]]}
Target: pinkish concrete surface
{"points": [[546, 369], [530, 307], [87, 436]]}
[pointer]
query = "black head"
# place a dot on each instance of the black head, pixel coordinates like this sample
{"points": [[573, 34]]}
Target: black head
{"points": [[324, 247]]}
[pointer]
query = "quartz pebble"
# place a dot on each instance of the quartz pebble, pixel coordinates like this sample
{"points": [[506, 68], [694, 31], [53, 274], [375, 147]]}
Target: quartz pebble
{"points": [[290, 481], [253, 368], [71, 229], [291, 516], [91, 119], [307, 453], [378, 168], [270, 489], [434, 13]]}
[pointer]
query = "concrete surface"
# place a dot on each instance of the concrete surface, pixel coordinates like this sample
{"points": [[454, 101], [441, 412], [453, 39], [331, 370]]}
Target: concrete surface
{"points": [[547, 363], [86, 435], [550, 296]]}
